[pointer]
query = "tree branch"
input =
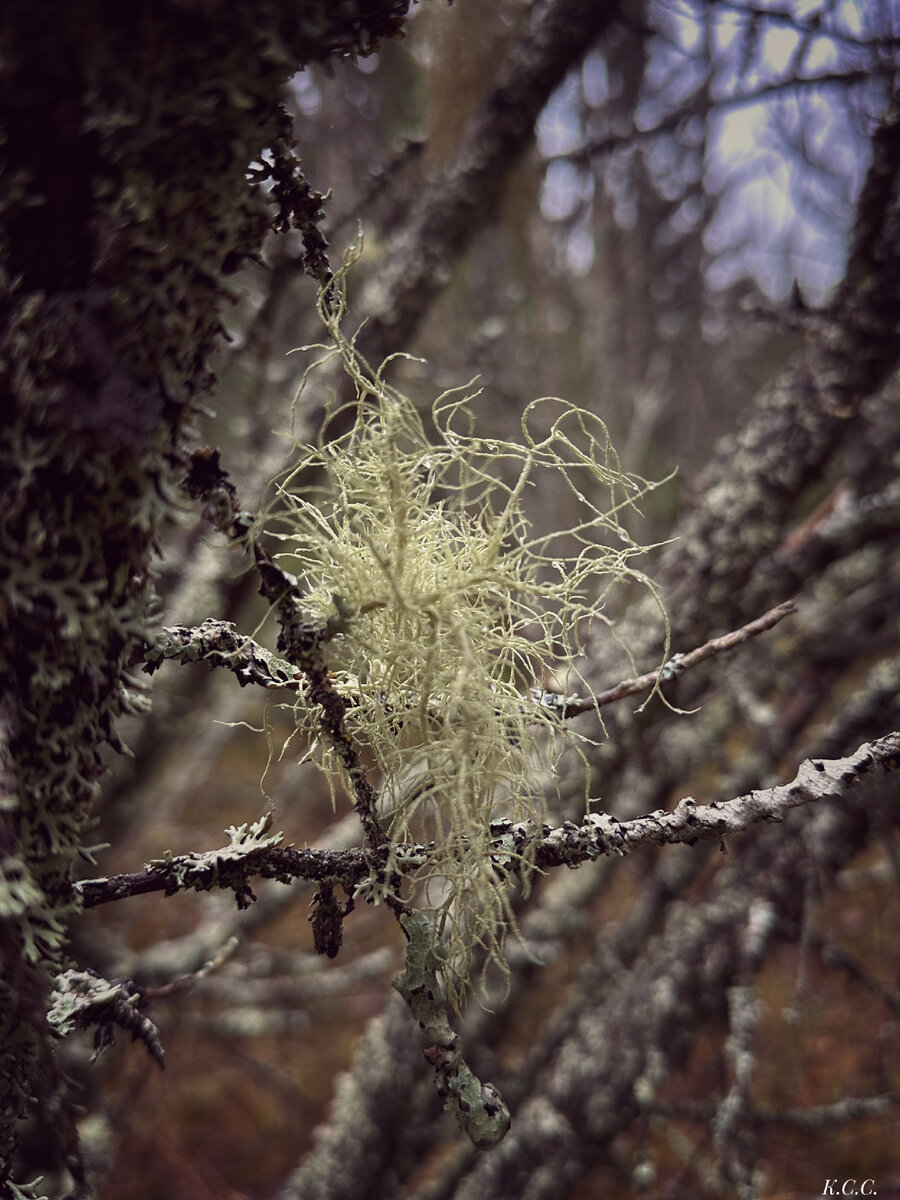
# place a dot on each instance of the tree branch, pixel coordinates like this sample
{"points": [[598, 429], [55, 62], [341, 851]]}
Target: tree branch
{"points": [[255, 852], [477, 1106], [302, 640], [220, 645], [230, 867], [674, 667], [623, 1037], [705, 105], [556, 35], [814, 405], [816, 780]]}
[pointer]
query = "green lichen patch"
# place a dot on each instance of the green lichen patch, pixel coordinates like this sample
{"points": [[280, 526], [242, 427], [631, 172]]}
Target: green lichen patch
{"points": [[418, 545]]}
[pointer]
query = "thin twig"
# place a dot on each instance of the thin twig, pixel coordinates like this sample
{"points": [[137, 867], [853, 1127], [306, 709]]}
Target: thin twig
{"points": [[840, 1112], [187, 982], [676, 664], [703, 107]]}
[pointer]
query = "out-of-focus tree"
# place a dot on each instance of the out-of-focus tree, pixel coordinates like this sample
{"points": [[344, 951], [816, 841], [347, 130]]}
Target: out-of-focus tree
{"points": [[682, 218]]}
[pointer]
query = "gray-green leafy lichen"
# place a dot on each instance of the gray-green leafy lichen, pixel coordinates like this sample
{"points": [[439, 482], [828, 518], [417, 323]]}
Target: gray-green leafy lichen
{"points": [[126, 136], [231, 866], [219, 644], [82, 999]]}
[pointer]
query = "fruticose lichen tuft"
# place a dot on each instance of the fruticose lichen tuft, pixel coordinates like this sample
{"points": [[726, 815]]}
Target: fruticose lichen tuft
{"points": [[452, 607]]}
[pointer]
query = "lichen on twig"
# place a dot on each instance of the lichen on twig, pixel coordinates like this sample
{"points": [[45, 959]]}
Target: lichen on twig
{"points": [[569, 844], [413, 544], [82, 999], [478, 1107]]}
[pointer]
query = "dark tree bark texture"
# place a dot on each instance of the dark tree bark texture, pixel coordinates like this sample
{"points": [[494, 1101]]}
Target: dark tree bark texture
{"points": [[125, 207]]}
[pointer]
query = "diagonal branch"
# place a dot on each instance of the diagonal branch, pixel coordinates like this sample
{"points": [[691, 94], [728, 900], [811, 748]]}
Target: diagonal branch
{"points": [[816, 780], [674, 667], [812, 406], [556, 36]]}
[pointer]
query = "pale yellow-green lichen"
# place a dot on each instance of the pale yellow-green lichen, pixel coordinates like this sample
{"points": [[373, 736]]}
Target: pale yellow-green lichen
{"points": [[453, 609]]}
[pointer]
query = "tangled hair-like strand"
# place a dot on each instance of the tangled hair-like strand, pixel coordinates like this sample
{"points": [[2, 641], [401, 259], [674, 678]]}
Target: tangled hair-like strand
{"points": [[452, 609]]}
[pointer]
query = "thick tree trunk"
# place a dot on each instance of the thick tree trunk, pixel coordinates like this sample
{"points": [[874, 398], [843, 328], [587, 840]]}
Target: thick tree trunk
{"points": [[124, 208]]}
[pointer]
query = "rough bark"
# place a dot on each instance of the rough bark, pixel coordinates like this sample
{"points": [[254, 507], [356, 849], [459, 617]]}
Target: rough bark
{"points": [[757, 476], [127, 135]]}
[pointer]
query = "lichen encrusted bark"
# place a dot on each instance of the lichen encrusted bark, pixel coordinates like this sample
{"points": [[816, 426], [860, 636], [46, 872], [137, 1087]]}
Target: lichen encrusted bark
{"points": [[478, 1107], [125, 206], [753, 481]]}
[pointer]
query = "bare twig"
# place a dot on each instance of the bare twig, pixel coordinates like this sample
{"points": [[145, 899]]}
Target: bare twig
{"points": [[818, 1116], [675, 665], [187, 982], [703, 106], [842, 960]]}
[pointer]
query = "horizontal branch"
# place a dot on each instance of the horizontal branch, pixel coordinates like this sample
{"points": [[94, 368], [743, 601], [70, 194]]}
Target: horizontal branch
{"points": [[220, 645], [250, 854], [816, 780], [255, 852], [840, 1112]]}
